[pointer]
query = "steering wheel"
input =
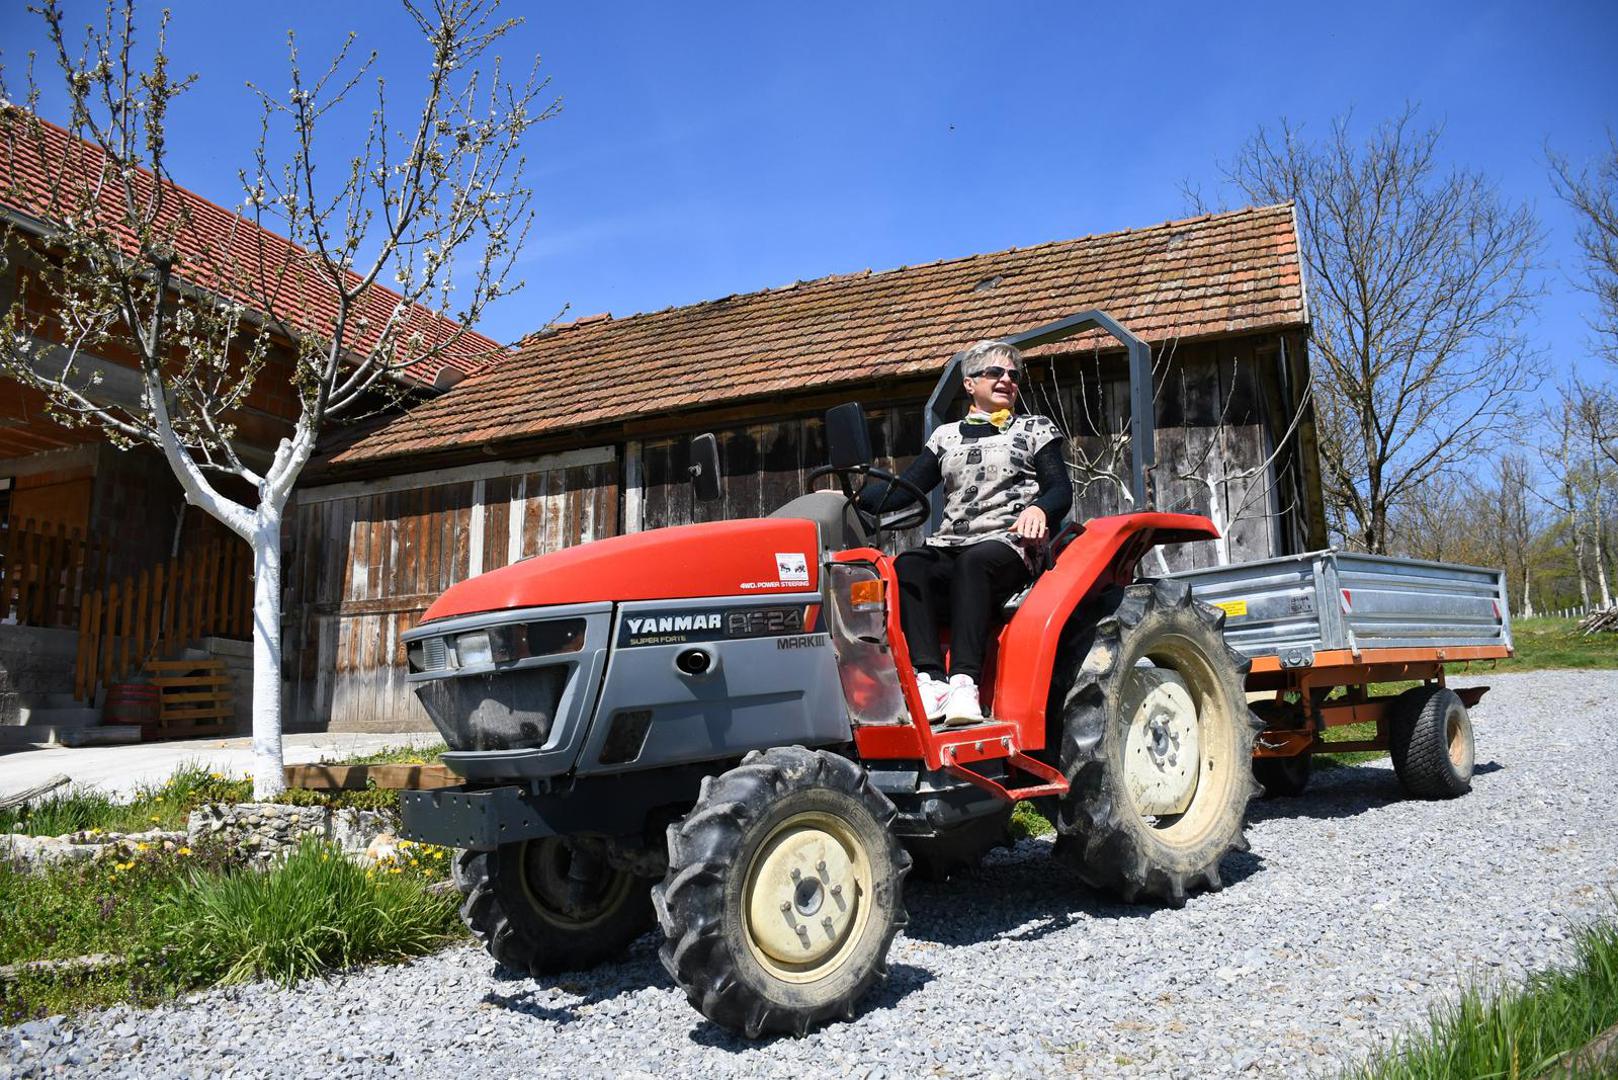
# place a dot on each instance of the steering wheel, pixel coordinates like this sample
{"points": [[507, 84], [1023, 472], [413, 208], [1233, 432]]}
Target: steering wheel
{"points": [[908, 519]]}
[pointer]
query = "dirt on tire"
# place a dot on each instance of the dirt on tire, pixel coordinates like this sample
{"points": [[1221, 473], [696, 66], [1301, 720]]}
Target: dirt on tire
{"points": [[1101, 833], [711, 949]]}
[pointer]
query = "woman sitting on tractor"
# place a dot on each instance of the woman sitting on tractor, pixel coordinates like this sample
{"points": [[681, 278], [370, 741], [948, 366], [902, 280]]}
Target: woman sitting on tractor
{"points": [[1005, 487]]}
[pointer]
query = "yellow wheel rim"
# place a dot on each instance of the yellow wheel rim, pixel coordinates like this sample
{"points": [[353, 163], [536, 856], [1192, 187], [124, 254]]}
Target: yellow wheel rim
{"points": [[807, 897]]}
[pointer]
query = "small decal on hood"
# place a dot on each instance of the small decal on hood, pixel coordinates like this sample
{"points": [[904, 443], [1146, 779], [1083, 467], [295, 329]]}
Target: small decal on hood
{"points": [[792, 567]]}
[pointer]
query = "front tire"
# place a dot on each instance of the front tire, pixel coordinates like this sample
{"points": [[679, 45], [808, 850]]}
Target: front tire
{"points": [[1157, 755], [544, 905], [783, 892]]}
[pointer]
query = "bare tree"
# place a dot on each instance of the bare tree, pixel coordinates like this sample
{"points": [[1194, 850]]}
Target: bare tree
{"points": [[1593, 194], [1241, 493], [1099, 447], [1569, 454], [1418, 278], [434, 205], [1515, 525]]}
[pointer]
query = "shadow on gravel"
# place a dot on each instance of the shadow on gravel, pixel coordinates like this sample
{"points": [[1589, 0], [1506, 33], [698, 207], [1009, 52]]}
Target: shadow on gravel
{"points": [[1026, 895], [529, 996], [903, 980], [1344, 791]]}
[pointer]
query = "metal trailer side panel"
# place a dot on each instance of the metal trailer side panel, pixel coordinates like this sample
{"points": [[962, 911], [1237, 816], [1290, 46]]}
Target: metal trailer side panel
{"points": [[1294, 606]]}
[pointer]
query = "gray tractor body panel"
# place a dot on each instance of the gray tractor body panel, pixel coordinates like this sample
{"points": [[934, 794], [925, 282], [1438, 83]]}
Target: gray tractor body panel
{"points": [[770, 680], [758, 671]]}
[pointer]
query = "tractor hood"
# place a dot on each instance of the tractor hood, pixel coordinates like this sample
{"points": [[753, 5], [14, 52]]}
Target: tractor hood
{"points": [[723, 558]]}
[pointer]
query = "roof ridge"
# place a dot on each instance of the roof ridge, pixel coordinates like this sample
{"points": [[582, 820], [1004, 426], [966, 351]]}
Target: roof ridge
{"points": [[825, 279]]}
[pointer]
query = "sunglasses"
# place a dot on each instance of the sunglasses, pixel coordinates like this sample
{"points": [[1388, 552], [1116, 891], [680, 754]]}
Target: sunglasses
{"points": [[996, 371]]}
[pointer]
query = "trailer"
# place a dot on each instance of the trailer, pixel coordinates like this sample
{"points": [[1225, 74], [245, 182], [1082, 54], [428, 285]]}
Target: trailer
{"points": [[1325, 630]]}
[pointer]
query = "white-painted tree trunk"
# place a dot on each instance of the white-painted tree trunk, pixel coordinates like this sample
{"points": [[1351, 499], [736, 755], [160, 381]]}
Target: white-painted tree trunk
{"points": [[268, 778]]}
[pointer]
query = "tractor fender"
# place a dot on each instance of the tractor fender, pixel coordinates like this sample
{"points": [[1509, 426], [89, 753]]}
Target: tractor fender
{"points": [[1104, 554]]}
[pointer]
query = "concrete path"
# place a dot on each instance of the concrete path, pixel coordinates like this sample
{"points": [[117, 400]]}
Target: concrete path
{"points": [[122, 769]]}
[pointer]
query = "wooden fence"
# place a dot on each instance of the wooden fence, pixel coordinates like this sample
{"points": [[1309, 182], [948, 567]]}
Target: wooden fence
{"points": [[205, 593], [45, 572]]}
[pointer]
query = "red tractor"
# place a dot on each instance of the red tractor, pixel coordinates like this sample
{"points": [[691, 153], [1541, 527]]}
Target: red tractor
{"points": [[728, 710]]}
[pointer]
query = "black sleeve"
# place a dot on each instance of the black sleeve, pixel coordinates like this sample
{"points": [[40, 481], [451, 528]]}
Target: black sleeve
{"points": [[925, 472], [1055, 487]]}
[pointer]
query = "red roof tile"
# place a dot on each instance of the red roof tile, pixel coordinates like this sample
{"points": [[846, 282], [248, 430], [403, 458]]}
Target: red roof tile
{"points": [[213, 236], [1217, 274]]}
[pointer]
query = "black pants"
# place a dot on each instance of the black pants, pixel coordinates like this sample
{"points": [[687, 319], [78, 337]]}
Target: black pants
{"points": [[965, 585]]}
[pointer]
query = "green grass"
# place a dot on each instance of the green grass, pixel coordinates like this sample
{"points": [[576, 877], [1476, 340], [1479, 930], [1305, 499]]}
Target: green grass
{"points": [[407, 754], [167, 805], [314, 913], [184, 919], [1523, 1031], [158, 806], [1556, 643], [1026, 822]]}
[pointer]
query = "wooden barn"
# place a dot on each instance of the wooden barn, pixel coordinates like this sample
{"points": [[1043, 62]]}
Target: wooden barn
{"points": [[584, 432]]}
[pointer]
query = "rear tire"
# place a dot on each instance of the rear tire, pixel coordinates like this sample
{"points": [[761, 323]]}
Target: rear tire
{"points": [[521, 906], [783, 892], [1282, 777], [1137, 819], [1431, 743]]}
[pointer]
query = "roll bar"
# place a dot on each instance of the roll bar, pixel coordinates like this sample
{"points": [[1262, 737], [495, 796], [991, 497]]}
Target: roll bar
{"points": [[1143, 450]]}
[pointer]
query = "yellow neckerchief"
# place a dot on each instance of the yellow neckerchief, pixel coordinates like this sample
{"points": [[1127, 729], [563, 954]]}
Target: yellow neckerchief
{"points": [[999, 418]]}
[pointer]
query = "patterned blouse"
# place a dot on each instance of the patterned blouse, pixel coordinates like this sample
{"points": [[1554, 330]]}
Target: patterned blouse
{"points": [[989, 480]]}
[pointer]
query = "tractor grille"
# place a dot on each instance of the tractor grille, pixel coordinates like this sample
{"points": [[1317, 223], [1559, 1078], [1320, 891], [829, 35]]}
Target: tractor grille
{"points": [[497, 710]]}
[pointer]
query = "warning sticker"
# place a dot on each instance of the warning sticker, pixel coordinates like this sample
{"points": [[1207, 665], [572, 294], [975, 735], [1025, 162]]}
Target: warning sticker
{"points": [[1232, 608], [792, 567]]}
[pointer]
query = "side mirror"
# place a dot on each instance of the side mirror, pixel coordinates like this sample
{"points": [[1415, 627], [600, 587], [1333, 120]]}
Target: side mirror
{"points": [[705, 468], [848, 440]]}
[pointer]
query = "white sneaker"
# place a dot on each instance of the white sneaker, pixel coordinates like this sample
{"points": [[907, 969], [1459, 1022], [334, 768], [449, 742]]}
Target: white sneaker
{"points": [[934, 692], [963, 706]]}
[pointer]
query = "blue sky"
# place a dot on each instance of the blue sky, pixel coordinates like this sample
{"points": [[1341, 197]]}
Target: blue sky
{"points": [[710, 149]]}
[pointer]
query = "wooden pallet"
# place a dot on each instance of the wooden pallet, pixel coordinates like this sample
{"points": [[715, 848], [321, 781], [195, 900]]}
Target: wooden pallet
{"points": [[197, 699]]}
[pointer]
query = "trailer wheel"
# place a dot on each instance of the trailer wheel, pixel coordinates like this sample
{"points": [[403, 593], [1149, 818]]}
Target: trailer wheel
{"points": [[1431, 743], [1282, 777], [961, 849], [783, 892], [1156, 744], [546, 905]]}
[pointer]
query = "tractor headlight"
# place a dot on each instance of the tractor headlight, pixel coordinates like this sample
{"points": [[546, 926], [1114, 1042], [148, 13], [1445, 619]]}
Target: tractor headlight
{"points": [[518, 641], [474, 649]]}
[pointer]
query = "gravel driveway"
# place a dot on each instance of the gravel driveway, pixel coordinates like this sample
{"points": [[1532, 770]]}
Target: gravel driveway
{"points": [[1353, 913]]}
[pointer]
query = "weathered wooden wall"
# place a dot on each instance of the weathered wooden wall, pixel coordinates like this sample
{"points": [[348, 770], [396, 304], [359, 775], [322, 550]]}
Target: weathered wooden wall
{"points": [[1220, 411], [365, 560], [762, 466]]}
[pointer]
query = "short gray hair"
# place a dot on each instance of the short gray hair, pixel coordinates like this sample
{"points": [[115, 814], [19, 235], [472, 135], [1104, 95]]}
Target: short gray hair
{"points": [[976, 358]]}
